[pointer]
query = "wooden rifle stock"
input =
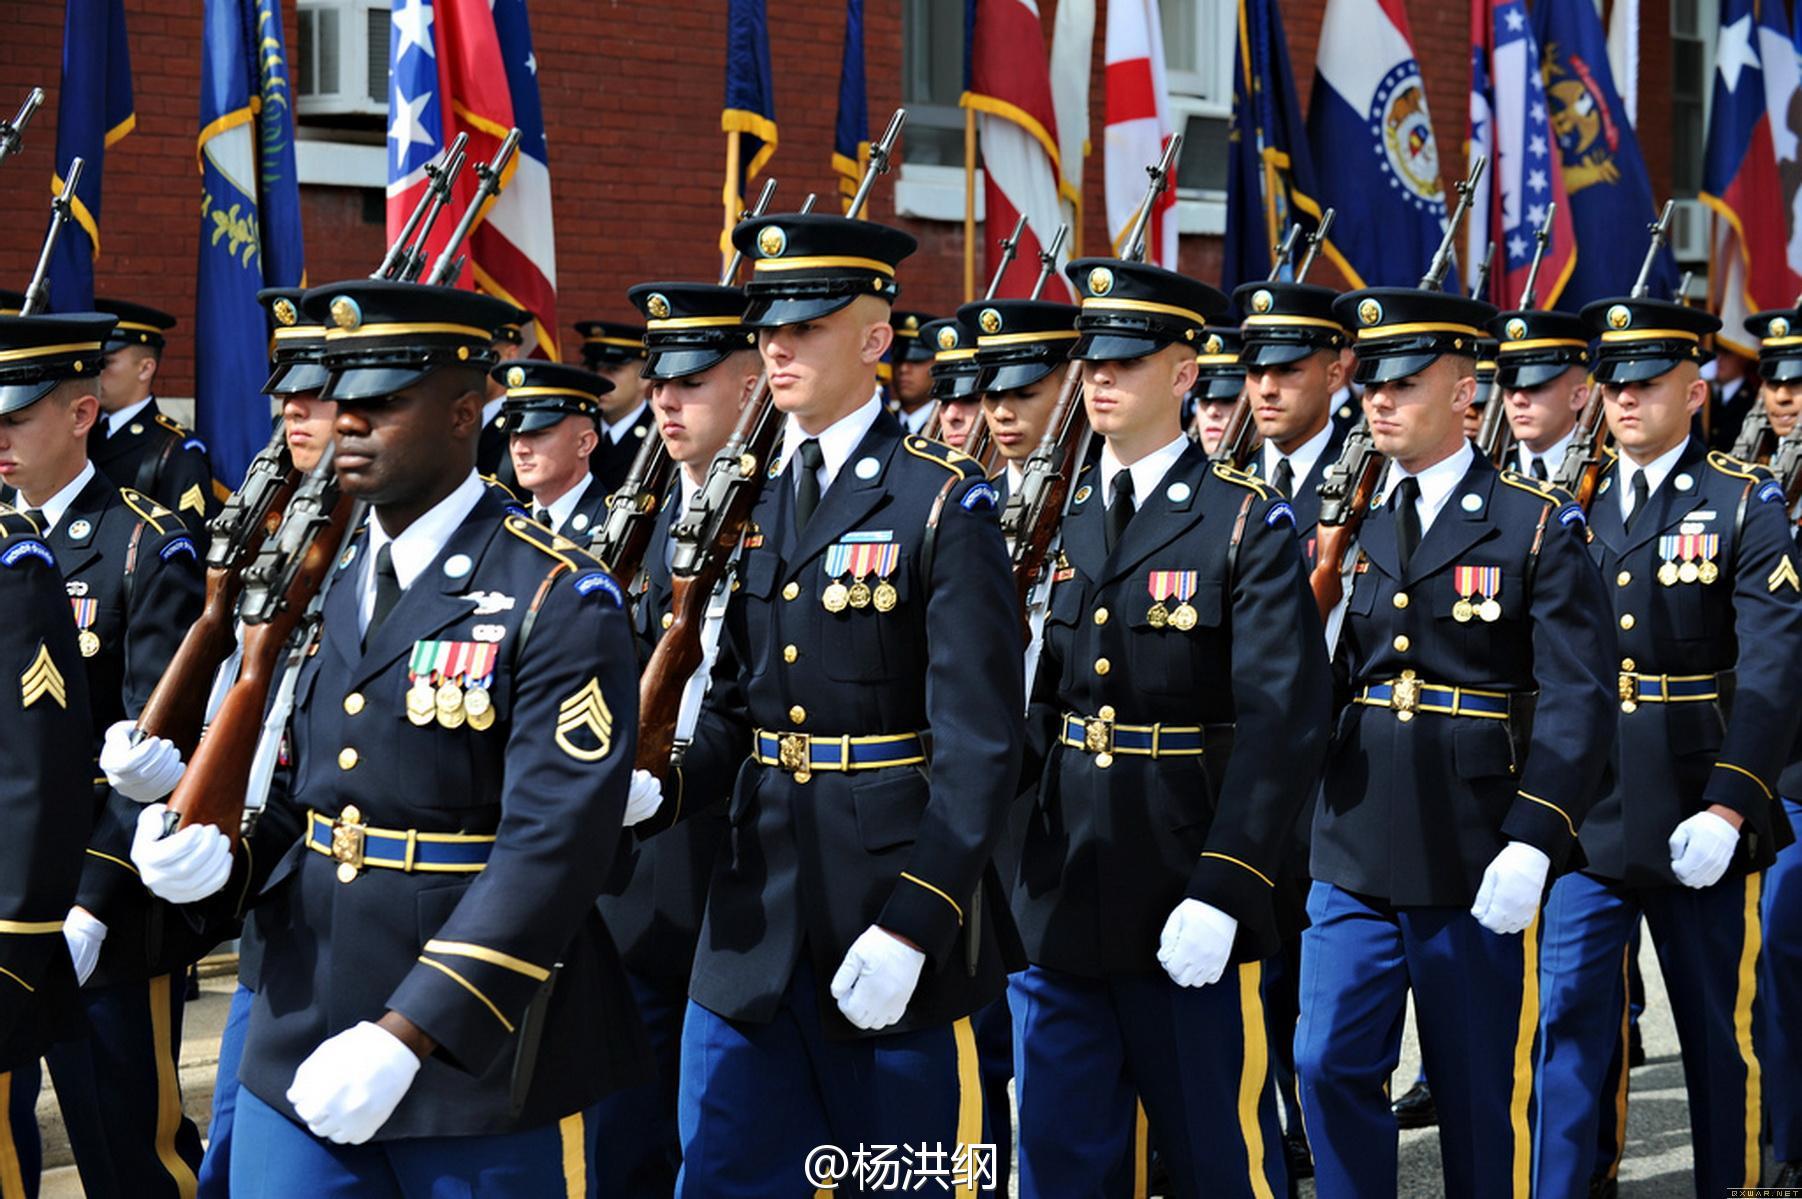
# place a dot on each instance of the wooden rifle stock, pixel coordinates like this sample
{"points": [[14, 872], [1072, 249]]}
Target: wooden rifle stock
{"points": [[1034, 512], [1581, 469], [1346, 492]]}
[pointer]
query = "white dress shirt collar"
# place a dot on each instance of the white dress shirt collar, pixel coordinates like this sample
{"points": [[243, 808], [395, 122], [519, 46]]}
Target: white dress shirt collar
{"points": [[616, 430], [1437, 482], [420, 541], [118, 420], [1554, 457], [1656, 470], [54, 507], [1146, 473], [1302, 461], [560, 508], [914, 423], [837, 441], [490, 410]]}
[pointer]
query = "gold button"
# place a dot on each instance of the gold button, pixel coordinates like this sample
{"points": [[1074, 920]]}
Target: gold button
{"points": [[798, 714], [347, 758], [791, 591], [1401, 643], [1101, 616], [1629, 706], [353, 703], [669, 618], [1629, 664], [790, 653], [1627, 621], [352, 814], [1102, 666], [1400, 599], [1107, 712], [1623, 578]]}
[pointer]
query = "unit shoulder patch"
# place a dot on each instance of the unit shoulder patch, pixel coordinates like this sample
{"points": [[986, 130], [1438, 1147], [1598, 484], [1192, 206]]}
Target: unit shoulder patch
{"points": [[1239, 478], [148, 510], [27, 546]]}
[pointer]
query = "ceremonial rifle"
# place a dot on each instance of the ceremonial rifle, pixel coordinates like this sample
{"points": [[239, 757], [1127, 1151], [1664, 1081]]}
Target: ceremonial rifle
{"points": [[1786, 465], [1349, 484], [624, 535], [976, 442], [489, 181], [1481, 282], [37, 292], [1581, 469], [406, 257], [1496, 437], [12, 132], [1681, 295], [1009, 247], [1240, 437], [706, 536], [1035, 510]]}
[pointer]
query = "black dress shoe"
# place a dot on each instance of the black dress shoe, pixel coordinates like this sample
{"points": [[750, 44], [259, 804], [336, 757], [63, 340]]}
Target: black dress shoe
{"points": [[1298, 1156], [1603, 1187], [1416, 1109], [1789, 1174], [1636, 1050]]}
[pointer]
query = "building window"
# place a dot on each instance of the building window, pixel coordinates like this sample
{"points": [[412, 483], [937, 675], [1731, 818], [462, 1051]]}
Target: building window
{"points": [[1199, 36], [1693, 25], [341, 92], [932, 79]]}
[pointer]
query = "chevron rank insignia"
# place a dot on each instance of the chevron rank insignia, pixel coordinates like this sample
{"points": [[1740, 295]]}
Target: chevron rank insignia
{"points": [[192, 500], [1785, 573], [41, 679], [583, 718]]}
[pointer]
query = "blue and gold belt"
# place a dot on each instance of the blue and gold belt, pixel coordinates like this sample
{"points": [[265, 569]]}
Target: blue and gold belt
{"points": [[1635, 689], [1409, 695], [800, 754], [1104, 737], [354, 846]]}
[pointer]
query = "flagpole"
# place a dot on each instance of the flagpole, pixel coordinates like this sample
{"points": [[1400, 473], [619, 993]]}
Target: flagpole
{"points": [[733, 202], [969, 204]]}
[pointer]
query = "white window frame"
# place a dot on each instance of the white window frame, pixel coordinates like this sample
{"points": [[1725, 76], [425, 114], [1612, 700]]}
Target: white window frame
{"points": [[353, 27], [326, 163], [1194, 94]]}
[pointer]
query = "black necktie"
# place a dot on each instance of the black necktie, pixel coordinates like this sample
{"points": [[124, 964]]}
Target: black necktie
{"points": [[1283, 479], [542, 516], [37, 518], [1539, 468], [387, 590], [807, 489], [1407, 519], [1642, 491], [1120, 511]]}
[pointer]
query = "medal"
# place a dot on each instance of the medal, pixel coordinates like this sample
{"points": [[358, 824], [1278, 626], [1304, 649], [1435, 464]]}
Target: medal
{"points": [[1157, 616], [420, 705], [1709, 545], [1178, 585], [478, 708], [1708, 572], [885, 596], [881, 558], [1689, 572], [835, 597], [450, 711], [88, 642], [859, 595], [1490, 610], [85, 610], [1667, 574], [1471, 581], [1184, 617], [1462, 611]]}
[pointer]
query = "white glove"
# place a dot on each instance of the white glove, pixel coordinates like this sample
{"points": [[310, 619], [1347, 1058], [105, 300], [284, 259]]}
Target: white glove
{"points": [[877, 978], [1702, 849], [349, 1086], [84, 934], [142, 773], [187, 865], [645, 797], [1512, 887], [1196, 942]]}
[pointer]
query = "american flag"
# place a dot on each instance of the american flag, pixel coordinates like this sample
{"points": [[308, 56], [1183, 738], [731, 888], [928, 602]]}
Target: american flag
{"points": [[467, 66]]}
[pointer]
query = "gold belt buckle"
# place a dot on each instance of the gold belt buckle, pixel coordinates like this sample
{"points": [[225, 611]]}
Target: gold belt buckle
{"points": [[1628, 688], [794, 753], [1404, 696], [1098, 737], [347, 843]]}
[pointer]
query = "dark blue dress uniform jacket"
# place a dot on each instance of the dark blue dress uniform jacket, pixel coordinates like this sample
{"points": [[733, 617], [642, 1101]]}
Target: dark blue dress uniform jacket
{"points": [[1306, 500], [1676, 759], [1111, 851], [45, 790], [1412, 812], [155, 455], [807, 867], [509, 970], [141, 569]]}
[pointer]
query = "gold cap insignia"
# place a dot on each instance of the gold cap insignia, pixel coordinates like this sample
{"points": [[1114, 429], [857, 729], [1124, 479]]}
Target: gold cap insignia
{"points": [[1517, 329], [516, 376], [772, 241], [1620, 316], [657, 305], [1262, 301], [990, 320], [284, 311], [345, 313], [911, 324], [1370, 311], [1779, 327], [1101, 281], [1212, 345], [947, 338]]}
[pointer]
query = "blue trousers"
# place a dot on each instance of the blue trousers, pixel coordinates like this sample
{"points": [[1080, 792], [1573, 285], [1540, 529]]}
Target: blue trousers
{"points": [[1089, 1051], [275, 1158], [995, 1060], [1476, 1002], [643, 1152], [1707, 943], [1780, 996], [757, 1098], [216, 1166], [21, 1152], [121, 1096], [1282, 1009]]}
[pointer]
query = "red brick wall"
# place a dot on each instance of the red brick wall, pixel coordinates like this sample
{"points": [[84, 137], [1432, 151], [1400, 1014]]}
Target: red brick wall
{"points": [[631, 91]]}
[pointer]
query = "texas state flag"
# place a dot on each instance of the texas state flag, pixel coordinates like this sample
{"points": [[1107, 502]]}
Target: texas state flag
{"points": [[1372, 139]]}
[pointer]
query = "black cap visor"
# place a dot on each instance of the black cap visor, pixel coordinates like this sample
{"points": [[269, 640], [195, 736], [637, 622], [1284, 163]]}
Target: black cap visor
{"points": [[1009, 376], [1112, 345], [680, 363], [530, 420], [15, 397], [292, 378], [355, 383], [1621, 371], [1218, 385], [955, 383], [1276, 353], [1525, 376], [772, 312], [1387, 368], [1780, 370]]}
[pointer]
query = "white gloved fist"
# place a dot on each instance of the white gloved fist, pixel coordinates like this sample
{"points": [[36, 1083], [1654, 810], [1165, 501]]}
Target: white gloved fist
{"points": [[84, 933], [645, 797], [1196, 943], [877, 978], [142, 773], [1512, 887], [1702, 848], [349, 1086], [189, 864]]}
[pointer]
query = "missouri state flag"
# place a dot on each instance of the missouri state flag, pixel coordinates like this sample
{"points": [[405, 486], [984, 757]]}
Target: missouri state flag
{"points": [[1374, 152]]}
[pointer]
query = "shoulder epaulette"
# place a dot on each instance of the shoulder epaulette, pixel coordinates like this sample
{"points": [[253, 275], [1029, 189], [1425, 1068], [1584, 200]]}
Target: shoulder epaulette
{"points": [[1533, 487], [173, 426], [552, 545], [955, 461], [1234, 475], [1727, 464], [1610, 455], [494, 483], [13, 521], [152, 513]]}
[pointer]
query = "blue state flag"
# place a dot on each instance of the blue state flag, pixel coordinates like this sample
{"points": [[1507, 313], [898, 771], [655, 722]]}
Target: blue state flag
{"points": [[1611, 200], [1270, 171], [249, 223], [94, 110], [750, 109], [851, 134]]}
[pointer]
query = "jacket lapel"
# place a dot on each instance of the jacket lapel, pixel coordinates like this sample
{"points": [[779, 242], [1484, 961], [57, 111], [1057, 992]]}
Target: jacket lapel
{"points": [[75, 553], [848, 500], [1460, 524], [1670, 503], [1605, 511], [1162, 517], [1084, 538]]}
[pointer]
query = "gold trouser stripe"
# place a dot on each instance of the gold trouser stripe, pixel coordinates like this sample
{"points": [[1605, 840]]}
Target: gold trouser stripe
{"points": [[12, 1175], [1254, 1073], [471, 988], [1141, 1152], [1620, 1088], [168, 1088], [575, 1156], [969, 1095], [1522, 1095], [1742, 1027]]}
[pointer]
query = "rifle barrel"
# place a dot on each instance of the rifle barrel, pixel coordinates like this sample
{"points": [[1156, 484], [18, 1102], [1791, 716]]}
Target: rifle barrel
{"points": [[1315, 239], [738, 256], [1048, 260], [491, 176], [1661, 232], [1160, 176], [12, 133], [1434, 279], [1010, 245], [61, 208]]}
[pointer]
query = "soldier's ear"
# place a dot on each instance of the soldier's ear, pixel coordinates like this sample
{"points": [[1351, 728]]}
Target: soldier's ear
{"points": [[1186, 372], [84, 410], [877, 338]]}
